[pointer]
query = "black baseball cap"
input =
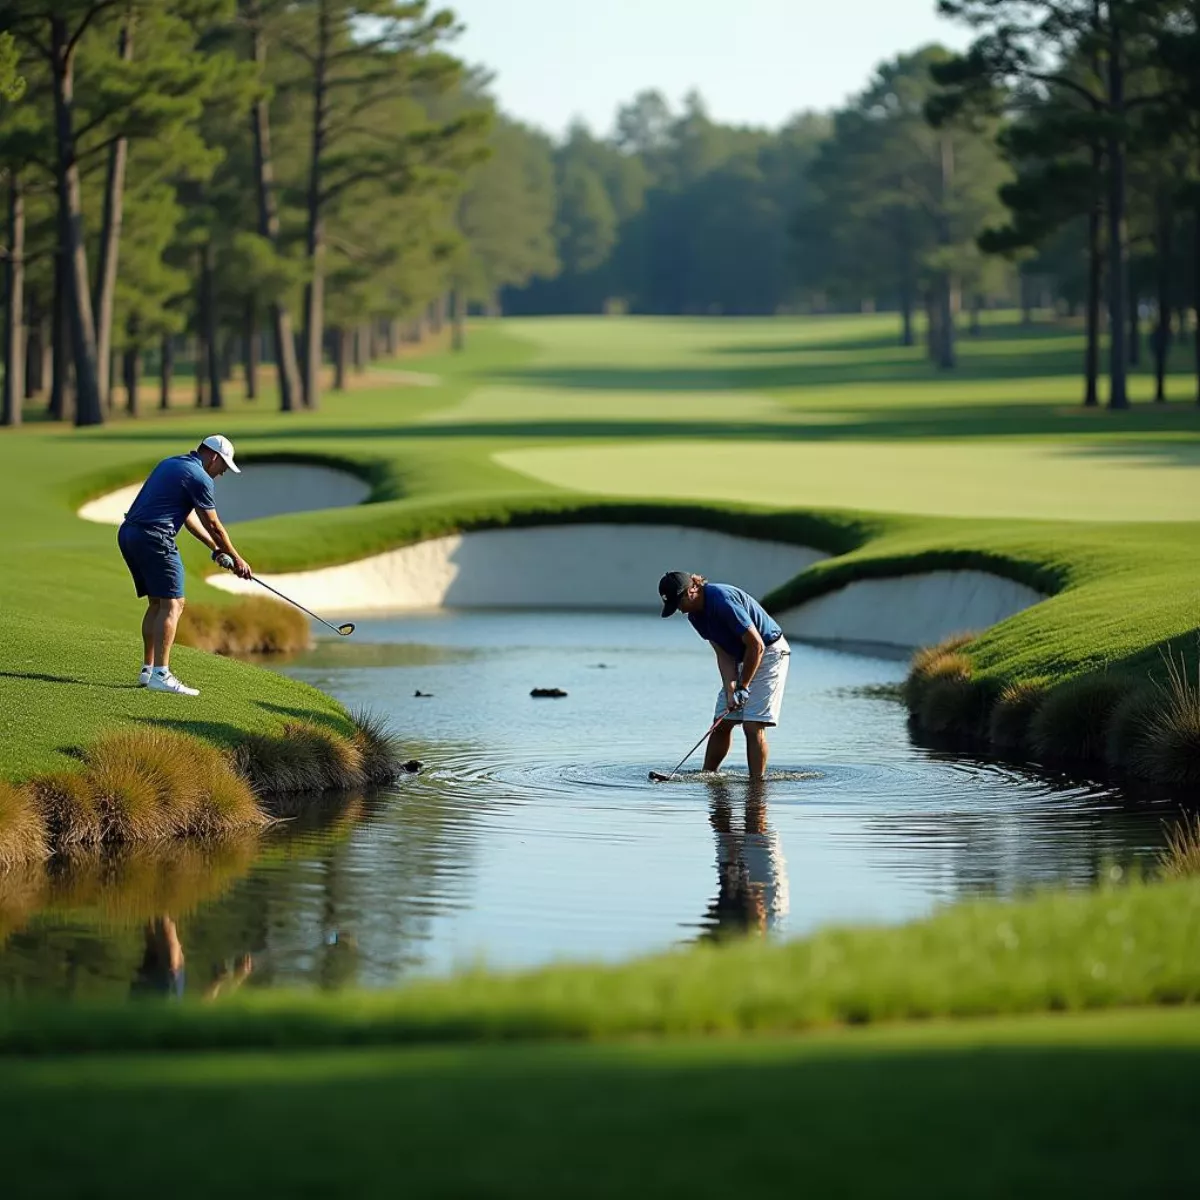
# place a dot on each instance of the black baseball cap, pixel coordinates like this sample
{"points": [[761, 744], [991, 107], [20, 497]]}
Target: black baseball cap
{"points": [[672, 587]]}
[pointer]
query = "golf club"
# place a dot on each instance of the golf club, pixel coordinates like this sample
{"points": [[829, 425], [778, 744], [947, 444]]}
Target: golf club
{"points": [[658, 777], [345, 629]]}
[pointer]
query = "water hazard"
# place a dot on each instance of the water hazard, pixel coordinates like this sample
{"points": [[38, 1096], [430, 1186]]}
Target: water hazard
{"points": [[534, 833]]}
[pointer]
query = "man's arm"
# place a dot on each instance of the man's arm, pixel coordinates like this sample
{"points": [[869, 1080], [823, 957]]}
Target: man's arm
{"points": [[729, 672], [212, 533], [753, 642]]}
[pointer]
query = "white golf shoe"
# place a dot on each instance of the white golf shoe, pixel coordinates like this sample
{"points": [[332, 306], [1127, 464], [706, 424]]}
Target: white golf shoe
{"points": [[144, 676], [168, 683]]}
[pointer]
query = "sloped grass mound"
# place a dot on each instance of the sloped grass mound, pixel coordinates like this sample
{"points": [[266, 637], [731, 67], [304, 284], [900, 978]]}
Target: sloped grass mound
{"points": [[1061, 951], [151, 784]]}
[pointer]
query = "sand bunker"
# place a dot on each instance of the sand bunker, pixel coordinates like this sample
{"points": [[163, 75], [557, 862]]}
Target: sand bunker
{"points": [[261, 490], [909, 610], [559, 566]]}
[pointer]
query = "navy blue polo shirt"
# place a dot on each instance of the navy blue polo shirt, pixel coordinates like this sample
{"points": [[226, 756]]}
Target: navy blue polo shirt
{"points": [[175, 487], [727, 613]]}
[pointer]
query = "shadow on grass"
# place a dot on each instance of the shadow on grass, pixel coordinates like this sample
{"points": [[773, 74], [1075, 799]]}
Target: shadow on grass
{"points": [[698, 1120], [37, 677], [311, 716]]}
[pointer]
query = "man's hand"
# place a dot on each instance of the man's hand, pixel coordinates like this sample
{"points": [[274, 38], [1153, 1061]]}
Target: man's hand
{"points": [[223, 560], [741, 697], [233, 562]]}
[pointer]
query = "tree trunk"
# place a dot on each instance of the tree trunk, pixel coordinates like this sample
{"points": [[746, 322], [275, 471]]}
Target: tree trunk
{"points": [[88, 408], [250, 348], [210, 326], [287, 369], [314, 290], [228, 352], [60, 341], [908, 287], [1196, 292], [1135, 330], [1118, 241], [37, 357], [1095, 268], [110, 233], [373, 341], [14, 306], [976, 327], [165, 372], [1026, 300], [130, 370], [1162, 332], [932, 333], [947, 357], [201, 366], [391, 342], [458, 319], [341, 357]]}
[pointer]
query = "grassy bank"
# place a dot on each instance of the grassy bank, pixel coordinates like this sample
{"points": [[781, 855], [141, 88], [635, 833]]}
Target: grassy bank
{"points": [[1102, 1104]]}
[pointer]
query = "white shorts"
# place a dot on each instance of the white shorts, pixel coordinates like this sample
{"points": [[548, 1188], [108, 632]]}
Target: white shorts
{"points": [[766, 688]]}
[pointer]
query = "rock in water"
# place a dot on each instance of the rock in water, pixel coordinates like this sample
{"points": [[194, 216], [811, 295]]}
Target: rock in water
{"points": [[547, 693]]}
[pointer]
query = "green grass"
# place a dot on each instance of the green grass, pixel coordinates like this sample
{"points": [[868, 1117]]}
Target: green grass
{"points": [[842, 414], [1101, 1105], [1130, 945]]}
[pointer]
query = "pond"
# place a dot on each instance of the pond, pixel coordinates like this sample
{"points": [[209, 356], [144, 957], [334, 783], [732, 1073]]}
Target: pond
{"points": [[534, 834]]}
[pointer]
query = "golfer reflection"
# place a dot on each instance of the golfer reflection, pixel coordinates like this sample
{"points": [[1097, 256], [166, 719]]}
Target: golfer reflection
{"points": [[161, 971], [752, 886]]}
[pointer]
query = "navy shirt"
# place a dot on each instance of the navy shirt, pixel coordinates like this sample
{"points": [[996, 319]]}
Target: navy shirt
{"points": [[727, 613], [174, 488]]}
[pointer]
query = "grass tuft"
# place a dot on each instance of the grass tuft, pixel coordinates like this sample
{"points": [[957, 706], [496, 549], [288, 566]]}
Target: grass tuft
{"points": [[23, 835], [1170, 751], [1180, 857], [1129, 727], [1008, 724], [68, 806], [1072, 722], [378, 744], [953, 703], [304, 758], [256, 625], [930, 663]]}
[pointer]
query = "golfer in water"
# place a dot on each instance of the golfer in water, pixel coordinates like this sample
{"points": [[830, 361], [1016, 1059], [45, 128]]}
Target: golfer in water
{"points": [[178, 493], [752, 656]]}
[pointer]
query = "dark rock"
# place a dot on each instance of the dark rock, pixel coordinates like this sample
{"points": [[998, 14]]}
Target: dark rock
{"points": [[418, 694], [547, 693], [412, 766]]}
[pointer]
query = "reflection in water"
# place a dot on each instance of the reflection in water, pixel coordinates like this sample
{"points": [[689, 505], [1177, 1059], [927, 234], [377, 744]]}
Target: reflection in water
{"points": [[534, 833], [752, 884]]}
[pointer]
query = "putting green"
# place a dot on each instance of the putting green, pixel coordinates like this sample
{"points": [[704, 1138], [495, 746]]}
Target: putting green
{"points": [[1067, 480]]}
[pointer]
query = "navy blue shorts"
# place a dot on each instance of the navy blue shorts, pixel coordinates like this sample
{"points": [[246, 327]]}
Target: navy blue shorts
{"points": [[153, 561]]}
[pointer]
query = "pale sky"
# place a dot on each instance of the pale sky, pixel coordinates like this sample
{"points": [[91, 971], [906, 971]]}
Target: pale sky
{"points": [[756, 62]]}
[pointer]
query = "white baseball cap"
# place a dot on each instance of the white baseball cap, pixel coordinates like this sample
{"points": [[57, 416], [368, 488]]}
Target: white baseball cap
{"points": [[224, 447]]}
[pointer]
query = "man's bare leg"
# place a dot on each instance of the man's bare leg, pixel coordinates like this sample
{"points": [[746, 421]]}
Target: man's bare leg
{"points": [[718, 745], [166, 621], [148, 631], [756, 748]]}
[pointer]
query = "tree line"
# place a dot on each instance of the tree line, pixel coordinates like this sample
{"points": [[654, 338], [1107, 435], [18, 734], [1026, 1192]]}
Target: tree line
{"points": [[318, 180]]}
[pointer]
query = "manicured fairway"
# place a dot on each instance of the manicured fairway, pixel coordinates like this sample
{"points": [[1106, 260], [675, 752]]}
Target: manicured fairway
{"points": [[1099, 1105]]}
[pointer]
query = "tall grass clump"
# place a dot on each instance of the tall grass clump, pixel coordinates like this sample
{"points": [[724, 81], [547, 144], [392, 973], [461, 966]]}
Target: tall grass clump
{"points": [[1072, 722], [23, 836], [378, 745], [953, 703], [1180, 857], [1008, 723], [305, 757], [69, 808], [1169, 752], [934, 662], [1129, 727], [256, 625]]}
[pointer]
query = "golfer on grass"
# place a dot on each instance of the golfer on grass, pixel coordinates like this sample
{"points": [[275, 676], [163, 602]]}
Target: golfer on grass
{"points": [[752, 656], [178, 493]]}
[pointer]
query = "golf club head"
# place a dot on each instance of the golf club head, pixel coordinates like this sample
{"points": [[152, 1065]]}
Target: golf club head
{"points": [[659, 777], [347, 629]]}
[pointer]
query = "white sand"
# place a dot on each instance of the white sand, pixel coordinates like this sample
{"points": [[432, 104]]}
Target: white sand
{"points": [[909, 610], [557, 566], [261, 490]]}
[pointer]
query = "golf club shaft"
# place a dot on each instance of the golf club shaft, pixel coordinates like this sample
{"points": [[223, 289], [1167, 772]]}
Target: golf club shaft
{"points": [[299, 606], [707, 733]]}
